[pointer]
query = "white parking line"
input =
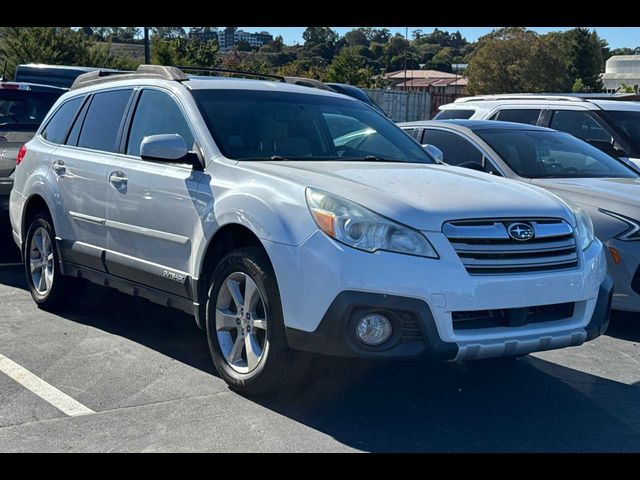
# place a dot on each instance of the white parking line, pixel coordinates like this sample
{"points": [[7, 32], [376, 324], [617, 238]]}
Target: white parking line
{"points": [[47, 392]]}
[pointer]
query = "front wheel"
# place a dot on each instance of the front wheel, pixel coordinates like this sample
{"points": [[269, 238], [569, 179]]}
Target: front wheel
{"points": [[245, 326]]}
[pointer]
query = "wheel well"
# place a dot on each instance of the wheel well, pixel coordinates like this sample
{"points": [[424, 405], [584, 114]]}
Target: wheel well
{"points": [[226, 239], [34, 205]]}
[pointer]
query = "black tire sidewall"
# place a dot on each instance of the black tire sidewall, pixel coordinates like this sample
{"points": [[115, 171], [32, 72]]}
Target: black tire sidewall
{"points": [[250, 262], [42, 220]]}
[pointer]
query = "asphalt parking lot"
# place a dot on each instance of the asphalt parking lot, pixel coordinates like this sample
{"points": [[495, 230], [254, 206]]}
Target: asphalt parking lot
{"points": [[141, 379]]}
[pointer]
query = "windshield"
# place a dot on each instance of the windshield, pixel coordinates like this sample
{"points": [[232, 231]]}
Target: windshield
{"points": [[628, 121], [265, 125], [539, 154], [25, 106]]}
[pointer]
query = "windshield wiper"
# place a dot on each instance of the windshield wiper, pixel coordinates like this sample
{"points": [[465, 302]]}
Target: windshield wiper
{"points": [[273, 158], [367, 158]]}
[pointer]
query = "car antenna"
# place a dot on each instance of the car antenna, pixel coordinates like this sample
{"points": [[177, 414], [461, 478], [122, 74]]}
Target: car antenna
{"points": [[4, 71]]}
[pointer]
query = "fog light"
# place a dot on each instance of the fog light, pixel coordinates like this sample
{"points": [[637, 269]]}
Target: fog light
{"points": [[373, 329]]}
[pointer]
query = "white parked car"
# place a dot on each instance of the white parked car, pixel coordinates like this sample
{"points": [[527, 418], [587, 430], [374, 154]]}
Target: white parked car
{"points": [[229, 199], [605, 121]]}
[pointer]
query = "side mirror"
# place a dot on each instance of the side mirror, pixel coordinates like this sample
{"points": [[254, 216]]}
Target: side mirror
{"points": [[165, 148], [434, 151]]}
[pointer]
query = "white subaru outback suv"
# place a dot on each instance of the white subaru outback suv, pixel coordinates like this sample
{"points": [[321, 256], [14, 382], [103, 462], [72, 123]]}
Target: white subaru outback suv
{"points": [[240, 201]]}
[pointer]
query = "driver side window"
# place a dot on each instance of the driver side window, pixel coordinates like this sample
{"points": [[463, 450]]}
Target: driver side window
{"points": [[157, 113], [456, 150]]}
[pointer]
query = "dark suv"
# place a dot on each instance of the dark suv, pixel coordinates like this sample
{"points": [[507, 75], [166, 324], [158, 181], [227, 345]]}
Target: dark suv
{"points": [[22, 108]]}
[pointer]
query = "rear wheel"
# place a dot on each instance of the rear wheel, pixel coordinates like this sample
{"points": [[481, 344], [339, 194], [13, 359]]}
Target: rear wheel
{"points": [[46, 284], [245, 326]]}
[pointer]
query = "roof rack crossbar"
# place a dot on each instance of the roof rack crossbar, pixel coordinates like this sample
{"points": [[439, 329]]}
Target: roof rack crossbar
{"points": [[230, 70]]}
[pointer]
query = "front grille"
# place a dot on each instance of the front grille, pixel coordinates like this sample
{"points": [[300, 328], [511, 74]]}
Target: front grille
{"points": [[486, 248], [511, 317]]}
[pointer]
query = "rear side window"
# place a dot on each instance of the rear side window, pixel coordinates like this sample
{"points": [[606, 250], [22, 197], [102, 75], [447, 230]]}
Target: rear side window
{"points": [[525, 115], [157, 113], [60, 123], [102, 123], [454, 114]]}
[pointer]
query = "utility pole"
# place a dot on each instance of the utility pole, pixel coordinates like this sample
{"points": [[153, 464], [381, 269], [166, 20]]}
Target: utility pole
{"points": [[147, 53], [406, 49]]}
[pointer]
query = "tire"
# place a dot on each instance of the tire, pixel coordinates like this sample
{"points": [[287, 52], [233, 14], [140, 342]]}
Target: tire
{"points": [[51, 294], [272, 366]]}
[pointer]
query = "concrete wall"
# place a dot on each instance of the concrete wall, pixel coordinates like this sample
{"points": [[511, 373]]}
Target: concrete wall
{"points": [[402, 106]]}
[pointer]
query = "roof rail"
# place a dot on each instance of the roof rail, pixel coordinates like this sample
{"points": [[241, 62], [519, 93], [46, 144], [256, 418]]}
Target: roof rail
{"points": [[143, 71], [229, 70], [520, 96], [308, 82]]}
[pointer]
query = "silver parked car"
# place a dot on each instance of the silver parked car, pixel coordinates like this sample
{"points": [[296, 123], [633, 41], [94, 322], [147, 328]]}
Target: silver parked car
{"points": [[605, 187]]}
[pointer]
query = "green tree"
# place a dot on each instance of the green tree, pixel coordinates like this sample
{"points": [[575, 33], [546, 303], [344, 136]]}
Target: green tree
{"points": [[243, 46], [313, 36], [180, 51], [356, 37], [349, 66], [169, 32], [583, 50], [514, 59], [624, 88], [56, 46]]}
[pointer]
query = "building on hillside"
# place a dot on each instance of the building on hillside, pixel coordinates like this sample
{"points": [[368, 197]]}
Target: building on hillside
{"points": [[231, 36], [621, 70], [432, 81]]}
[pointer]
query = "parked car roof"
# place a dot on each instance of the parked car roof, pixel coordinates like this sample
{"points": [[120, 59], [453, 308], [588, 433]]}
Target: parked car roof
{"points": [[476, 124]]}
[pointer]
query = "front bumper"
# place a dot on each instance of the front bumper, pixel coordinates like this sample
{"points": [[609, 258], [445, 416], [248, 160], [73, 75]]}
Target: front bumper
{"points": [[313, 275], [415, 333]]}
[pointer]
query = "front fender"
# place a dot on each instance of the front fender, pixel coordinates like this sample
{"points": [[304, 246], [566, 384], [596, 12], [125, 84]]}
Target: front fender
{"points": [[275, 216]]}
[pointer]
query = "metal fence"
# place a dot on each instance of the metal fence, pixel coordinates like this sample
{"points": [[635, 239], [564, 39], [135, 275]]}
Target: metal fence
{"points": [[402, 106]]}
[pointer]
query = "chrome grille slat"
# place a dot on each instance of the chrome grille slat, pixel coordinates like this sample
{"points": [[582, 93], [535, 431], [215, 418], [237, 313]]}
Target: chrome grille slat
{"points": [[528, 247], [485, 247]]}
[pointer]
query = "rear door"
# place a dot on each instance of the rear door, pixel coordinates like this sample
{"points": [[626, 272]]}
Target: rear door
{"points": [[151, 208], [587, 126], [80, 167]]}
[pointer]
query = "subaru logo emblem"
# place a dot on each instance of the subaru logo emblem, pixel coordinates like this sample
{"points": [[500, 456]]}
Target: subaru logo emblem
{"points": [[520, 231]]}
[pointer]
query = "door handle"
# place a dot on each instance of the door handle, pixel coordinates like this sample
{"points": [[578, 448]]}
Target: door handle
{"points": [[59, 168], [118, 180]]}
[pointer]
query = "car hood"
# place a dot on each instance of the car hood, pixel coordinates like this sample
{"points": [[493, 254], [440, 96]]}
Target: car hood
{"points": [[419, 195], [621, 195]]}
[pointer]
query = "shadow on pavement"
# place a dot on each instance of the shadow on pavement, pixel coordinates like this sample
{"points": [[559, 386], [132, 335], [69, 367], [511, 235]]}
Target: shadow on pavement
{"points": [[165, 330], [520, 405], [625, 326], [514, 405], [9, 252]]}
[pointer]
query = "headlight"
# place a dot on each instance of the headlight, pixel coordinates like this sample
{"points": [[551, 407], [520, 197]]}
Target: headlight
{"points": [[584, 226], [358, 227], [633, 230]]}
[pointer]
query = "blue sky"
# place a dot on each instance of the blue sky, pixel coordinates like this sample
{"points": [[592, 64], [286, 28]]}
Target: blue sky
{"points": [[616, 36]]}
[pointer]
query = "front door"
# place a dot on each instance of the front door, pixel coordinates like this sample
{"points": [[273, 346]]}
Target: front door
{"points": [[151, 208]]}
